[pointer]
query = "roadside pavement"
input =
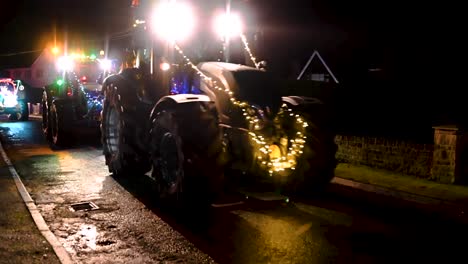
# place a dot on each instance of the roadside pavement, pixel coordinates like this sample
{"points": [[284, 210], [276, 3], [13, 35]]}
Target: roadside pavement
{"points": [[20, 239], [22, 242], [446, 201]]}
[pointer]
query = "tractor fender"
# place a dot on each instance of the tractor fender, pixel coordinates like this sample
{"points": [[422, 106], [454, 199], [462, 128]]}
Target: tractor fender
{"points": [[112, 79], [178, 99], [123, 87], [312, 108], [128, 74], [62, 102], [133, 84]]}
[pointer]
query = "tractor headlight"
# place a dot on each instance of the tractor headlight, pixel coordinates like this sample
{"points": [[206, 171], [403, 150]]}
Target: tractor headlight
{"points": [[228, 25], [65, 63], [105, 64], [10, 101], [173, 21], [165, 66]]}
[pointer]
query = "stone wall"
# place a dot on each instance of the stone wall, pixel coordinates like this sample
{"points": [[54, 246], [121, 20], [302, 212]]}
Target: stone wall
{"points": [[395, 155]]}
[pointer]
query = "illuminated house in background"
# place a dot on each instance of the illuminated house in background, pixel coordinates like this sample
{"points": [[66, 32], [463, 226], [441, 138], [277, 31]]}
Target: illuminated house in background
{"points": [[35, 68], [317, 70]]}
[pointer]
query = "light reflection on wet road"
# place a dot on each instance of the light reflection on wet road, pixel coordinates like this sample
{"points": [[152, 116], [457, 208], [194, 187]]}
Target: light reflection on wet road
{"points": [[128, 227], [122, 230]]}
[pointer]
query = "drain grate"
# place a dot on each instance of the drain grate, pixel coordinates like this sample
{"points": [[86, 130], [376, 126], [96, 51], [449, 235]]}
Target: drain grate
{"points": [[84, 206]]}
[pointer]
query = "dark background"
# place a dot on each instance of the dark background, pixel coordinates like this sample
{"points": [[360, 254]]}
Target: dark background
{"points": [[413, 45]]}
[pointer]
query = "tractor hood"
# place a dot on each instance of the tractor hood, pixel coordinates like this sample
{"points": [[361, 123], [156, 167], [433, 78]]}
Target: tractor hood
{"points": [[256, 87]]}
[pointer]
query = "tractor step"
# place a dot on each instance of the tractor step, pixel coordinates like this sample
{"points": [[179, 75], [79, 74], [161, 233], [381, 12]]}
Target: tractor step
{"points": [[229, 200], [266, 196]]}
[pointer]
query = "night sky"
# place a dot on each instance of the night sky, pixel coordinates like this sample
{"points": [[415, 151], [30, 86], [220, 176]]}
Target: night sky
{"points": [[411, 43], [377, 34]]}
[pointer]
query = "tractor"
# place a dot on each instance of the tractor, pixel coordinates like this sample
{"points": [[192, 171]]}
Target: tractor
{"points": [[13, 101], [71, 106], [205, 129]]}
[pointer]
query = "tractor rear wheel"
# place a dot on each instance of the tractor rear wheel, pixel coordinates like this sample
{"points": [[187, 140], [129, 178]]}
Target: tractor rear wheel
{"points": [[24, 111], [118, 134], [46, 129], [187, 153]]}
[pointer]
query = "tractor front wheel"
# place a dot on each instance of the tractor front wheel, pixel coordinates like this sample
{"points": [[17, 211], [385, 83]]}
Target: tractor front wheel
{"points": [[59, 125], [46, 128]]}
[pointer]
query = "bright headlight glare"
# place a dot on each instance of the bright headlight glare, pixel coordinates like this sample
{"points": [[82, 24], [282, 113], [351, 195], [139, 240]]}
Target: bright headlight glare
{"points": [[228, 25], [105, 64], [65, 63], [173, 21], [10, 101], [165, 66]]}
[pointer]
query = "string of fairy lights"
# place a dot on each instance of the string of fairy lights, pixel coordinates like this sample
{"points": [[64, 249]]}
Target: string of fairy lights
{"points": [[247, 48], [268, 155]]}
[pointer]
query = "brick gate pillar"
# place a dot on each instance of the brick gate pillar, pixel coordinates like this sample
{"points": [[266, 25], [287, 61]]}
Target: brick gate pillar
{"points": [[449, 145]]}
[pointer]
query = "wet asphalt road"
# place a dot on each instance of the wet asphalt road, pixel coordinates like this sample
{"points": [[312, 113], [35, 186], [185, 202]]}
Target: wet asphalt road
{"points": [[128, 226]]}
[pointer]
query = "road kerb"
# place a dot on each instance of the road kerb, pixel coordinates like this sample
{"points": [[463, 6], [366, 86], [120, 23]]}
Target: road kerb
{"points": [[386, 191], [436, 204], [59, 250]]}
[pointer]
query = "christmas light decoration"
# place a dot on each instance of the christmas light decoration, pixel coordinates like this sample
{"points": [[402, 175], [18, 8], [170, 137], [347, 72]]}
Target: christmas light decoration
{"points": [[268, 155], [247, 48]]}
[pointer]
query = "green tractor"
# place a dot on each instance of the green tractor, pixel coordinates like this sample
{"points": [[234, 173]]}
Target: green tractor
{"points": [[72, 105], [205, 130]]}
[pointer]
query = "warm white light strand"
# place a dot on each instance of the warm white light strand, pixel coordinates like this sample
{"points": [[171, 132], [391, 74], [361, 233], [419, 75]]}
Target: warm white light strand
{"points": [[247, 48], [264, 152]]}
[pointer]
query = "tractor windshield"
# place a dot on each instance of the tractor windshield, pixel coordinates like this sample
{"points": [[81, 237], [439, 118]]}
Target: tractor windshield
{"points": [[258, 88]]}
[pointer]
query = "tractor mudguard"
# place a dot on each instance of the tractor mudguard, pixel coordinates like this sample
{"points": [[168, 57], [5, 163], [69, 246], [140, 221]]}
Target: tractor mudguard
{"points": [[179, 99], [145, 88]]}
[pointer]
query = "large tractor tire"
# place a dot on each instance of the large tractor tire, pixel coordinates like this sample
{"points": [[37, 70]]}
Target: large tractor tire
{"points": [[14, 116], [121, 119], [24, 111], [60, 123], [187, 153], [316, 167], [46, 128], [22, 114]]}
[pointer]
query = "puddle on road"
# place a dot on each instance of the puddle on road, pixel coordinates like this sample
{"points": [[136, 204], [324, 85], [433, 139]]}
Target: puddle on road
{"points": [[83, 240]]}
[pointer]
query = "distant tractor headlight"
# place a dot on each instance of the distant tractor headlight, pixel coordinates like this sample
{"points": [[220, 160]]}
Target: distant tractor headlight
{"points": [[105, 64], [10, 101], [228, 25], [165, 66], [173, 21], [65, 63]]}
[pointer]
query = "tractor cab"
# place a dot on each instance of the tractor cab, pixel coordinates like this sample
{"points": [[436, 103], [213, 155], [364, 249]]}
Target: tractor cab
{"points": [[12, 99]]}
